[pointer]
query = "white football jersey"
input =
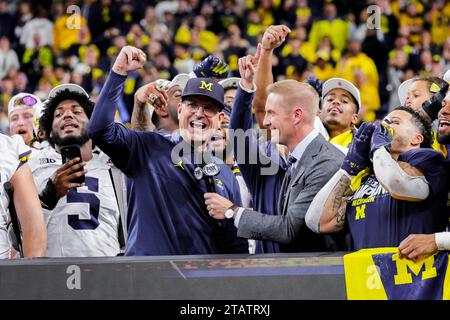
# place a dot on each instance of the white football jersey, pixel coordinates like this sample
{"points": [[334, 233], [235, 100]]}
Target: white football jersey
{"points": [[13, 153], [85, 222]]}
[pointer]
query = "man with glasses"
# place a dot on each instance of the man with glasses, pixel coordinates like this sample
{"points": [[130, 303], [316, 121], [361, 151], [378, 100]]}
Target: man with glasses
{"points": [[23, 113], [166, 209]]}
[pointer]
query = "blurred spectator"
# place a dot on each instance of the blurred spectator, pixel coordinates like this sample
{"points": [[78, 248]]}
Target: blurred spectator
{"points": [[446, 53], [266, 11], [286, 14], [331, 25], [40, 25], [306, 49], [24, 15], [356, 67], [150, 19], [359, 31], [225, 16], [254, 27], [66, 29], [411, 15], [294, 64], [43, 89], [207, 39], [183, 61], [396, 75], [232, 48], [103, 15], [130, 12], [440, 21], [7, 21], [136, 36], [7, 91], [303, 13], [36, 58], [323, 69], [8, 57], [21, 83]]}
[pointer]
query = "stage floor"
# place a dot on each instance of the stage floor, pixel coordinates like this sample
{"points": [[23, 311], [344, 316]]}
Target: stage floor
{"points": [[218, 277]]}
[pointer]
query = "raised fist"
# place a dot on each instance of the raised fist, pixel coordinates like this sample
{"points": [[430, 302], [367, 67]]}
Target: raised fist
{"points": [[212, 67], [274, 36], [129, 59]]}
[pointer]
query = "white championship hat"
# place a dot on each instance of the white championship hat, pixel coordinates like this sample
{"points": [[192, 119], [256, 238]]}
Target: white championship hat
{"points": [[339, 83], [180, 79], [23, 101], [71, 87], [229, 83], [403, 89]]}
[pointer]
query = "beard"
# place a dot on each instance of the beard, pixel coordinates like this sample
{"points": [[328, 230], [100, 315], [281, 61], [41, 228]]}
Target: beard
{"points": [[443, 138], [70, 140]]}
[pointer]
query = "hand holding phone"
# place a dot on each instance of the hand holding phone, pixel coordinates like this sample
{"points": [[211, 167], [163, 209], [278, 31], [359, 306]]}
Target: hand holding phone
{"points": [[69, 153]]}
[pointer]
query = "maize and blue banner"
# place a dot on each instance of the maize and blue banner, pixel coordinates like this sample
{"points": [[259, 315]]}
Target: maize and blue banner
{"points": [[380, 274]]}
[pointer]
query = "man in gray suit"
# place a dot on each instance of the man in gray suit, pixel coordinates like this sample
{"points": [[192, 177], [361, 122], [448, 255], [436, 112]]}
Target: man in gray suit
{"points": [[291, 108]]}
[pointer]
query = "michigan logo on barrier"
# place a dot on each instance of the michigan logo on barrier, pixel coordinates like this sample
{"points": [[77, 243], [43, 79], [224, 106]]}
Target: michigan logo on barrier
{"points": [[379, 274], [206, 86]]}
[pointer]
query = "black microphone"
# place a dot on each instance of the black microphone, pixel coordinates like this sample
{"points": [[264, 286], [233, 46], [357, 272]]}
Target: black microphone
{"points": [[433, 105], [207, 170]]}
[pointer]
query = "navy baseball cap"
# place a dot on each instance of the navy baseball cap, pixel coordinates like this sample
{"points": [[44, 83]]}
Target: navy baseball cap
{"points": [[206, 87]]}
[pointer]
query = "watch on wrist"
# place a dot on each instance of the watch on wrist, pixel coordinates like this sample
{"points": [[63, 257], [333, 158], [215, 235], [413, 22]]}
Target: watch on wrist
{"points": [[229, 213]]}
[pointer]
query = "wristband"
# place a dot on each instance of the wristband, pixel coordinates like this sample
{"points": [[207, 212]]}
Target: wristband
{"points": [[48, 196]]}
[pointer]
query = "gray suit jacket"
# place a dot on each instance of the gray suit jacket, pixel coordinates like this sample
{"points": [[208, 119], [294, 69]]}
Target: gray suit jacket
{"points": [[317, 165]]}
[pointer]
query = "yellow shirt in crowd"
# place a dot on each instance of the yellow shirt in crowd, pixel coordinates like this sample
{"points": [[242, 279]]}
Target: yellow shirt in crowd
{"points": [[65, 31]]}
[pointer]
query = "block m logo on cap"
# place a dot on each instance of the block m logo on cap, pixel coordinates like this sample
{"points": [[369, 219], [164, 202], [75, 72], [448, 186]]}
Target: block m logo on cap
{"points": [[206, 86]]}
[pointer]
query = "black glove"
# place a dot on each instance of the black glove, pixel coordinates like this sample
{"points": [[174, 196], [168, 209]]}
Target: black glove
{"points": [[357, 158], [433, 105], [382, 137], [211, 67], [316, 84]]}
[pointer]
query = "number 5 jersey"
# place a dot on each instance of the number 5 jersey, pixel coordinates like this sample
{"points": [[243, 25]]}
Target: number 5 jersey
{"points": [[85, 222]]}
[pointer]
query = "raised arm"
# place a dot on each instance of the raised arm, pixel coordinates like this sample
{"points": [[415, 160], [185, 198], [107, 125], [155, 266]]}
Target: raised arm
{"points": [[29, 212], [241, 119], [326, 213], [104, 132], [273, 37], [241, 115]]}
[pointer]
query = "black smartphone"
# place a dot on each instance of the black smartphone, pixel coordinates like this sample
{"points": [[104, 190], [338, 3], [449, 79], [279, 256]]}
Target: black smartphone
{"points": [[71, 152]]}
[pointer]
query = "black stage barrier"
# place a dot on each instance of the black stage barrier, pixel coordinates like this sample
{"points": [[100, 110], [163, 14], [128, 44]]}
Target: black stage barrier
{"points": [[217, 277]]}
